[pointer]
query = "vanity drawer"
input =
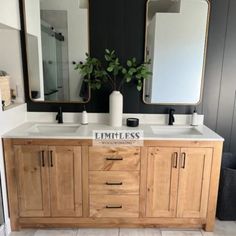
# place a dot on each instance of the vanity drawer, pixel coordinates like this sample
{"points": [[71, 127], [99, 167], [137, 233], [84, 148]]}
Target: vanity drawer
{"points": [[120, 158], [114, 182], [114, 206]]}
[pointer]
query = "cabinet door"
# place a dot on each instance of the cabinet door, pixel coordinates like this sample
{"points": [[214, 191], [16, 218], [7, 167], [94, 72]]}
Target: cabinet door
{"points": [[65, 180], [33, 180], [162, 182], [194, 179]]}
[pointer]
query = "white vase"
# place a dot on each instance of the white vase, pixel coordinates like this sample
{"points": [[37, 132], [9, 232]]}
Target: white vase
{"points": [[116, 109]]}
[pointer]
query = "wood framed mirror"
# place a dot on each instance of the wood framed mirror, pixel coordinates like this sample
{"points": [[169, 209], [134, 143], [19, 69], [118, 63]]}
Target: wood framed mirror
{"points": [[176, 44], [57, 38]]}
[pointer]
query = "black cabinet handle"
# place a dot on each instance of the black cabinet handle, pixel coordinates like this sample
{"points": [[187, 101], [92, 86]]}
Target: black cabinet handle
{"points": [[113, 206], [175, 162], [42, 158], [114, 158], [114, 183], [51, 161], [183, 160]]}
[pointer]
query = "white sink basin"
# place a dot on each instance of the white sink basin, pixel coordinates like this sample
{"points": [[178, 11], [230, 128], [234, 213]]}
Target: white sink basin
{"points": [[174, 130], [53, 128]]}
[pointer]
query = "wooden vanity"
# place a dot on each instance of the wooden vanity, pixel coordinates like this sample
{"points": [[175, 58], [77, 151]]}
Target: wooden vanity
{"points": [[70, 183]]}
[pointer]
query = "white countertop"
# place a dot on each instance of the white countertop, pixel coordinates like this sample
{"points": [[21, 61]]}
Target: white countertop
{"points": [[86, 132]]}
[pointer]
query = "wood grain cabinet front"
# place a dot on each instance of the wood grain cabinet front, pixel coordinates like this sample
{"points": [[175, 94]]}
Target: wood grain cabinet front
{"points": [[178, 182], [114, 206], [70, 183], [114, 158], [32, 173], [49, 180], [114, 181]]}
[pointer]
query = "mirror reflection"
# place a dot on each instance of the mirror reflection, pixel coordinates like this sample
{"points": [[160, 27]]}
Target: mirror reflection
{"points": [[176, 35], [57, 39]]}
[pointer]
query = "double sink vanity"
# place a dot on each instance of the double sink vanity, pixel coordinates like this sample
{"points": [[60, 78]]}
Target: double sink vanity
{"points": [[57, 177]]}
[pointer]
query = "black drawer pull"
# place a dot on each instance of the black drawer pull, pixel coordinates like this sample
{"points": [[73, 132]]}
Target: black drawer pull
{"points": [[175, 161], [114, 183], [113, 206], [114, 158], [183, 160], [43, 160], [51, 160]]}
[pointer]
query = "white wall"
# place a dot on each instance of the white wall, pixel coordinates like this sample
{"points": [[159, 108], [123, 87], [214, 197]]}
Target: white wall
{"points": [[11, 61], [9, 14], [8, 120]]}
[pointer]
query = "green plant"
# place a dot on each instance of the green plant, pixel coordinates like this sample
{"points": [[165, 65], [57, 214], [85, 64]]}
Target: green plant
{"points": [[97, 73]]}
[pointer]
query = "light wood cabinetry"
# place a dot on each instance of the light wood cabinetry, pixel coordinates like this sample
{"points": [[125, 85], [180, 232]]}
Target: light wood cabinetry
{"points": [[114, 206], [162, 182], [49, 180], [114, 181], [65, 180], [194, 179], [178, 182], [33, 180], [70, 183], [107, 159]]}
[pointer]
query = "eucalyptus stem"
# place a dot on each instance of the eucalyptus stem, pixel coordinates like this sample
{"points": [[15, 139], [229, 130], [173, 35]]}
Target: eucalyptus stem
{"points": [[98, 73], [121, 83], [113, 85], [115, 81]]}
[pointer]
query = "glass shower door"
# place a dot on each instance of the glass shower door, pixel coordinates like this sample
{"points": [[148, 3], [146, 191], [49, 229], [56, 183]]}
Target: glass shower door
{"points": [[50, 64]]}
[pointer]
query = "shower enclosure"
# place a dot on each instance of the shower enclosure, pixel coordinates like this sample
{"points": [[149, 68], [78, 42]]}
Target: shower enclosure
{"points": [[53, 62]]}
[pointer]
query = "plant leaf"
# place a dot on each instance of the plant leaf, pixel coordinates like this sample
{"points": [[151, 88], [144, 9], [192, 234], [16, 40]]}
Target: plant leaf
{"points": [[129, 63], [124, 71], [128, 79], [110, 69]]}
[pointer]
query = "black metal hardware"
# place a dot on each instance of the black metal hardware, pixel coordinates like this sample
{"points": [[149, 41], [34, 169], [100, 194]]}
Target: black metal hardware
{"points": [[175, 164], [42, 157], [59, 116], [183, 160], [114, 158], [114, 183], [51, 161], [171, 116], [113, 206]]}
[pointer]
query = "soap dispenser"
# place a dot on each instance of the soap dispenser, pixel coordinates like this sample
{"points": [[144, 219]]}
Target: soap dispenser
{"points": [[84, 117], [195, 118]]}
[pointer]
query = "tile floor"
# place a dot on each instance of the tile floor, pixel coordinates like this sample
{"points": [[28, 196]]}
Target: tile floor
{"points": [[222, 228]]}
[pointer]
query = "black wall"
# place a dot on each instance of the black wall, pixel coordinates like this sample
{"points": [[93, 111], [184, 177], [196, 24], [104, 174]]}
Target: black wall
{"points": [[120, 25]]}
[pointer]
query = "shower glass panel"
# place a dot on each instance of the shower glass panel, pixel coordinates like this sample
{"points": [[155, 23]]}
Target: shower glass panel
{"points": [[49, 64], [59, 70], [52, 63]]}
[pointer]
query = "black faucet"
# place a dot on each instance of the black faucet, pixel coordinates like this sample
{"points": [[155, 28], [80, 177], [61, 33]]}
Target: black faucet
{"points": [[171, 116], [59, 116]]}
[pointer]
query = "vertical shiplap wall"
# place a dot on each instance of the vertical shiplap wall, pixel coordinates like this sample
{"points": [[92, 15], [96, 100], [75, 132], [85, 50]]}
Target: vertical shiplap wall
{"points": [[226, 111], [219, 100]]}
